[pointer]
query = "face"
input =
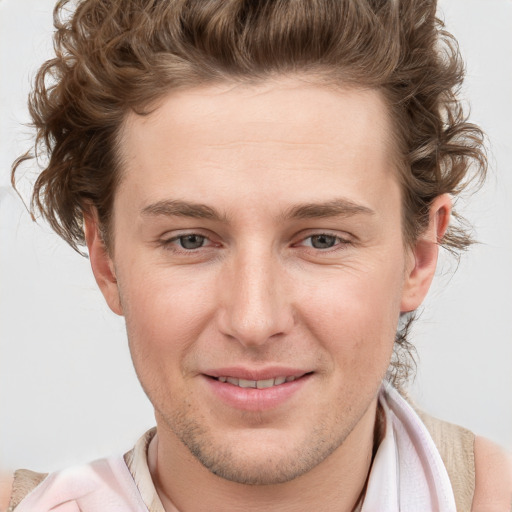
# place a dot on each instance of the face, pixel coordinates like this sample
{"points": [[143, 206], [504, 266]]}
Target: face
{"points": [[259, 261]]}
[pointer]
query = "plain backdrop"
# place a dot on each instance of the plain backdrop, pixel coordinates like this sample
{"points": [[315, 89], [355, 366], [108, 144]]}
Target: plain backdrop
{"points": [[68, 392]]}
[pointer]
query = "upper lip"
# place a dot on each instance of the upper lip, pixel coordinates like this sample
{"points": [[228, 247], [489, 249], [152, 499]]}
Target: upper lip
{"points": [[256, 374]]}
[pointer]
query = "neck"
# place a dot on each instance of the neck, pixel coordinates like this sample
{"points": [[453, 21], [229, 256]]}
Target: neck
{"points": [[337, 483]]}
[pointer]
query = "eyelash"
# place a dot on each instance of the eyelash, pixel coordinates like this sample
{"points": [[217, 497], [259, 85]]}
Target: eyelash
{"points": [[339, 243], [168, 243]]}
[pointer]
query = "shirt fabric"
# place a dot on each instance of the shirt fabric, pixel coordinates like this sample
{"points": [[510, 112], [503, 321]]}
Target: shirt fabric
{"points": [[407, 474]]}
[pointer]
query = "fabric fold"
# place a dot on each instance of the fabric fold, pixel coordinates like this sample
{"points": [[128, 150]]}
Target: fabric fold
{"points": [[407, 474]]}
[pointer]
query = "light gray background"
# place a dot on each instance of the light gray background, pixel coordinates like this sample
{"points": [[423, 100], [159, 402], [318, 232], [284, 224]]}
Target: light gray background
{"points": [[68, 392]]}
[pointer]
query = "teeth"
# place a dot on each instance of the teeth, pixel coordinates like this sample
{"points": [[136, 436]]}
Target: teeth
{"points": [[257, 384], [262, 384], [246, 383]]}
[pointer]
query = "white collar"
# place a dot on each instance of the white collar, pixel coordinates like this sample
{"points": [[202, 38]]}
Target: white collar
{"points": [[407, 474]]}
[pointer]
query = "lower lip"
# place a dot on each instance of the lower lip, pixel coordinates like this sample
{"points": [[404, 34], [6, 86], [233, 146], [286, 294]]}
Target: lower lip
{"points": [[253, 399]]}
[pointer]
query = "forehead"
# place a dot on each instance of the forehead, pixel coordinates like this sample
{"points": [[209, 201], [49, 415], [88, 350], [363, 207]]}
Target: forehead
{"points": [[281, 108], [288, 138]]}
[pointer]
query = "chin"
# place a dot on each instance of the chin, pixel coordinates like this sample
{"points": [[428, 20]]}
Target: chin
{"points": [[268, 467], [259, 456]]}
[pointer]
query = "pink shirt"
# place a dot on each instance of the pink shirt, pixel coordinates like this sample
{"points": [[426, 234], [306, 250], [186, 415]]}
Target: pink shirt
{"points": [[407, 475]]}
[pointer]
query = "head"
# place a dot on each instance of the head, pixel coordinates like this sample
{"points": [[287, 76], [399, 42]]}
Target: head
{"points": [[123, 67]]}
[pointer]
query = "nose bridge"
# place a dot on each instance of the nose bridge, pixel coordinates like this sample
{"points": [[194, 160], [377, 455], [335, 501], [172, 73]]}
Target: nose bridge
{"points": [[255, 306]]}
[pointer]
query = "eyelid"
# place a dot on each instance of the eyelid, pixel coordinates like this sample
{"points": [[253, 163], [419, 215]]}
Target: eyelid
{"points": [[174, 234], [344, 237], [341, 242], [179, 237], [167, 240]]}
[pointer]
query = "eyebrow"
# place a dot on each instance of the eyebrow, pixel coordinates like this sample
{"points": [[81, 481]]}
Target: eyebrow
{"points": [[335, 208], [177, 208]]}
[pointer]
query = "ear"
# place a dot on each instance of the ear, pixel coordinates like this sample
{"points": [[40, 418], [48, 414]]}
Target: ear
{"points": [[102, 263], [423, 254]]}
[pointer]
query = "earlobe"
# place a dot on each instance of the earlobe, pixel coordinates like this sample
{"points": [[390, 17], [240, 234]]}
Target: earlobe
{"points": [[424, 254], [101, 263]]}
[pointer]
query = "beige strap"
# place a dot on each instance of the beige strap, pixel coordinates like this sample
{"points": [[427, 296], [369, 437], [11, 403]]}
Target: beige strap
{"points": [[24, 482], [137, 462], [456, 446]]}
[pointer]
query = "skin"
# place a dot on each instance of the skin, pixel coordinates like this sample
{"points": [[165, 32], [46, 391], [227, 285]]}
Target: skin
{"points": [[262, 290], [6, 482], [260, 293]]}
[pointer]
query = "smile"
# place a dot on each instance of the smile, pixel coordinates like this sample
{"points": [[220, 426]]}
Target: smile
{"points": [[256, 384], [257, 390]]}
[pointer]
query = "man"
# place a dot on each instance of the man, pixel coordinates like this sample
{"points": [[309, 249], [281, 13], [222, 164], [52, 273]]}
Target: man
{"points": [[263, 188]]}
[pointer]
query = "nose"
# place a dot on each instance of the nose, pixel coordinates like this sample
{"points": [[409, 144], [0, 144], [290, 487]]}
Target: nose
{"points": [[255, 306]]}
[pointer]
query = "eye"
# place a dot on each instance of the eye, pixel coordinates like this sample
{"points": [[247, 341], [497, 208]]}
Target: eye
{"points": [[322, 241], [191, 246], [185, 243], [191, 242]]}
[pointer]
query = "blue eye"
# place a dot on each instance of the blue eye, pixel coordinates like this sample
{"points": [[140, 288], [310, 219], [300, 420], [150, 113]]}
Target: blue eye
{"points": [[191, 242]]}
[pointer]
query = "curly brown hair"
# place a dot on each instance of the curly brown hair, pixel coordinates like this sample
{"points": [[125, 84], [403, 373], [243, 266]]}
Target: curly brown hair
{"points": [[116, 56]]}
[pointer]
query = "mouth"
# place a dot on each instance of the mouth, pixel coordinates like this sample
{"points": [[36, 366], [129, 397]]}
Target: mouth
{"points": [[257, 384], [257, 390]]}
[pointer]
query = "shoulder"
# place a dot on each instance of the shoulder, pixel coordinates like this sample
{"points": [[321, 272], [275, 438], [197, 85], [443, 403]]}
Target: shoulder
{"points": [[14, 488], [5, 491], [88, 487], [493, 477]]}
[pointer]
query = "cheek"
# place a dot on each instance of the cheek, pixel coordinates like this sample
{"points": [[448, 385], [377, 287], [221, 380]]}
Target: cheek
{"points": [[162, 322], [164, 313], [355, 314]]}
